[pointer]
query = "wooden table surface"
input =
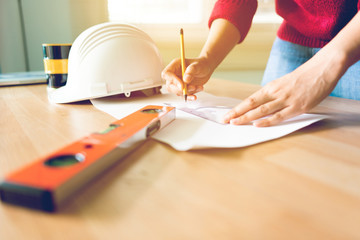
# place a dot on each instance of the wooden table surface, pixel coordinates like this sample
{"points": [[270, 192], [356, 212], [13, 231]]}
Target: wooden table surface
{"points": [[302, 186]]}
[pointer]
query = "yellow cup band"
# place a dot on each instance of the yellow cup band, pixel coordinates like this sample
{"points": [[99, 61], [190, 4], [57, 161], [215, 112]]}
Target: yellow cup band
{"points": [[56, 66], [56, 44]]}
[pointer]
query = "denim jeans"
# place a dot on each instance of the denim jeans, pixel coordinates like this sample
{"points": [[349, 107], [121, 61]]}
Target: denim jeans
{"points": [[285, 57]]}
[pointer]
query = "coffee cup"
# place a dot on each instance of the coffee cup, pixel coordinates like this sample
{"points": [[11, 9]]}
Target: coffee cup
{"points": [[56, 63]]}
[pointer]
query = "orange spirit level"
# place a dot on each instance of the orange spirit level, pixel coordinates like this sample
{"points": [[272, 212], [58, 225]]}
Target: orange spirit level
{"points": [[48, 182]]}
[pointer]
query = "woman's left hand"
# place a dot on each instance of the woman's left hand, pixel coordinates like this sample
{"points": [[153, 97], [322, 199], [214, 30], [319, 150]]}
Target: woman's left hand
{"points": [[290, 95]]}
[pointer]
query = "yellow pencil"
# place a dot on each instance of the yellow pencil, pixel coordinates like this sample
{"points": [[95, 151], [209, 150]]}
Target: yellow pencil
{"points": [[182, 57]]}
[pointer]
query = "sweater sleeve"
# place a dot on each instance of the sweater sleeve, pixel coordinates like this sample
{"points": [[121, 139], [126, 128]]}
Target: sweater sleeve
{"points": [[238, 12]]}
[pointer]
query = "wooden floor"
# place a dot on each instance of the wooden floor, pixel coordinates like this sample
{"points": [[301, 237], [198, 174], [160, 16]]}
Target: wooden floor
{"points": [[305, 185]]}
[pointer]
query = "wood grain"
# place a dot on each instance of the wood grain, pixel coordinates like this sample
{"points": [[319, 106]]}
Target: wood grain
{"points": [[302, 186]]}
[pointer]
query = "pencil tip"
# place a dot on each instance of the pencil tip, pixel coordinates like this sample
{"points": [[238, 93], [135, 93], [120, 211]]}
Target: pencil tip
{"points": [[181, 31], [185, 98]]}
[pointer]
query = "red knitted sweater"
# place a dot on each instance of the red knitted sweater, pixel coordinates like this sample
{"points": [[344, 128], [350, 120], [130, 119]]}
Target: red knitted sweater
{"points": [[311, 23]]}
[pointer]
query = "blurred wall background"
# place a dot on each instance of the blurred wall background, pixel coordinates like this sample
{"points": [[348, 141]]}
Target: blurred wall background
{"points": [[26, 24]]}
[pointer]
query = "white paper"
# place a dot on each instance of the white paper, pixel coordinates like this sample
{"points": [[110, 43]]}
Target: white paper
{"points": [[189, 131]]}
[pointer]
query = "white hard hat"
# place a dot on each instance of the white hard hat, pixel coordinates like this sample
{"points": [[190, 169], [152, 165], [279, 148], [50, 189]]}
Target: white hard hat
{"points": [[109, 59]]}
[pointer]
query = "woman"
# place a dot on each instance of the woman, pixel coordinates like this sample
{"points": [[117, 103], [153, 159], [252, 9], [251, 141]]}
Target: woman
{"points": [[315, 54]]}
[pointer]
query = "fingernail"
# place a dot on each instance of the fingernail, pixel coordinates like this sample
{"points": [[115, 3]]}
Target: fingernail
{"points": [[187, 78], [191, 98], [226, 119], [260, 124], [233, 121]]}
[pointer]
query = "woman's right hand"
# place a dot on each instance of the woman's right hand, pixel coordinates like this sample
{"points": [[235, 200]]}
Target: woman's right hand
{"points": [[197, 73], [223, 36]]}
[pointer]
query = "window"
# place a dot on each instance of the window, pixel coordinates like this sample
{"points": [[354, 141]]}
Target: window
{"points": [[176, 11], [156, 11], [162, 18]]}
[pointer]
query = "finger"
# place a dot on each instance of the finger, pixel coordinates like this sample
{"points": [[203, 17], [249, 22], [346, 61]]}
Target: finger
{"points": [[172, 72], [173, 83], [174, 88], [195, 70], [245, 106], [189, 72], [259, 112], [192, 89], [191, 97], [199, 88], [276, 118], [171, 77]]}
